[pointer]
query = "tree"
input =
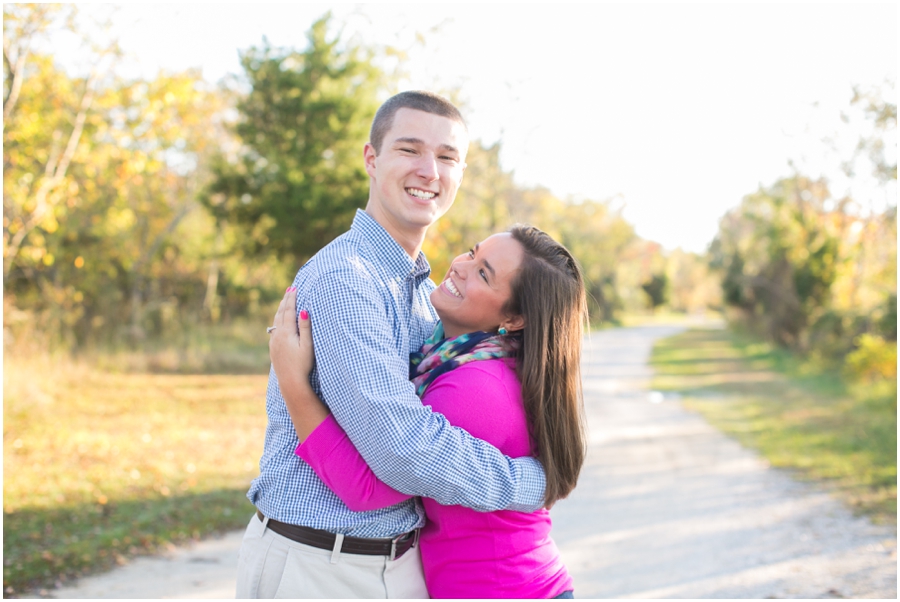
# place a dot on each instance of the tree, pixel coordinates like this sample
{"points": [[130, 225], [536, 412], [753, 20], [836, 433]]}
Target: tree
{"points": [[22, 24], [657, 290], [779, 253], [99, 175], [41, 135], [298, 177], [602, 241], [816, 273], [877, 145]]}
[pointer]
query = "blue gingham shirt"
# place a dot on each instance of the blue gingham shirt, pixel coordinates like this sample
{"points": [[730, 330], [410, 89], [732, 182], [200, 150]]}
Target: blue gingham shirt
{"points": [[370, 308]]}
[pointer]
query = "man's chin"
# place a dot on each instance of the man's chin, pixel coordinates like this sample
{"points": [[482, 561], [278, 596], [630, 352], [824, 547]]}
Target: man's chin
{"points": [[424, 219]]}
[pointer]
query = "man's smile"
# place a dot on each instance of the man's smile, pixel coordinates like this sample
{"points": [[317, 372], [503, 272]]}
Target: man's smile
{"points": [[421, 194]]}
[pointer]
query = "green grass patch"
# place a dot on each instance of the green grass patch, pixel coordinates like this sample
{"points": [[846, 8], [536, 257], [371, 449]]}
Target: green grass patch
{"points": [[664, 316], [100, 466], [798, 415], [238, 347]]}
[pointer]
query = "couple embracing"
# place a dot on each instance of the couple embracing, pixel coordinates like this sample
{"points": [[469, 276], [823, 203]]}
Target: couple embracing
{"points": [[417, 453]]}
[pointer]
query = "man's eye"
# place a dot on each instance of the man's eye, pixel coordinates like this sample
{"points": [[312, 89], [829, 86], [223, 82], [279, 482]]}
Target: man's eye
{"points": [[472, 253]]}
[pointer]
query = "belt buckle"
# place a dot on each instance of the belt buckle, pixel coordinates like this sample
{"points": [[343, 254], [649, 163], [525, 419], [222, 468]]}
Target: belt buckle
{"points": [[394, 548], [399, 538]]}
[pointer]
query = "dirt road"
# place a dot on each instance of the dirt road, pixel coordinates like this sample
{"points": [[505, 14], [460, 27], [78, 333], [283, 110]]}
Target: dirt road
{"points": [[667, 507]]}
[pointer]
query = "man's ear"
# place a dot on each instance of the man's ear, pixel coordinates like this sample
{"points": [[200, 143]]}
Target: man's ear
{"points": [[369, 158]]}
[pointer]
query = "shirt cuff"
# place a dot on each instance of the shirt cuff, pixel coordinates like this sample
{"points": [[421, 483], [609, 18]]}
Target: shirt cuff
{"points": [[529, 496]]}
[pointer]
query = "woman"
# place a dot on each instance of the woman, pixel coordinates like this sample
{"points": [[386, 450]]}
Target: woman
{"points": [[503, 364]]}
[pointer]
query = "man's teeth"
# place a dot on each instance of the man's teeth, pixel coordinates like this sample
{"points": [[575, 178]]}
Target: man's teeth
{"points": [[421, 194], [451, 287]]}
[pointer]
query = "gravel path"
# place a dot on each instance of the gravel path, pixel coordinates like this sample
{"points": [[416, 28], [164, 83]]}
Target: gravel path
{"points": [[667, 507]]}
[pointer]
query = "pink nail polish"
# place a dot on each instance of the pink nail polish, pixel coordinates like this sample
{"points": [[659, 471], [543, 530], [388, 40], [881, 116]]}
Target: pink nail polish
{"points": [[304, 315]]}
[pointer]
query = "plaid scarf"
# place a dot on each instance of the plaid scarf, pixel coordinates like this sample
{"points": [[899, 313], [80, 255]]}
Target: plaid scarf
{"points": [[439, 355]]}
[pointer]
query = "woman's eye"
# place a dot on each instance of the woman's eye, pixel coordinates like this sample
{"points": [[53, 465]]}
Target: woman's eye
{"points": [[472, 253], [483, 275]]}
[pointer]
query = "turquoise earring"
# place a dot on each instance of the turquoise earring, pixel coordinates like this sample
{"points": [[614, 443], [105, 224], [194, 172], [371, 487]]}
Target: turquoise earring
{"points": [[502, 331]]}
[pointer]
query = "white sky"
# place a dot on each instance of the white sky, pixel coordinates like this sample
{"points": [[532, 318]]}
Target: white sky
{"points": [[678, 110]]}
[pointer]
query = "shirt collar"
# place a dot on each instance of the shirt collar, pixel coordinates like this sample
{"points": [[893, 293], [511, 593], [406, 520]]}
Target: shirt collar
{"points": [[395, 257]]}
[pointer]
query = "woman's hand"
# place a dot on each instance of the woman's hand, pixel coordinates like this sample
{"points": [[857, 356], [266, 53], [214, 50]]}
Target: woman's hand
{"points": [[290, 343], [291, 352]]}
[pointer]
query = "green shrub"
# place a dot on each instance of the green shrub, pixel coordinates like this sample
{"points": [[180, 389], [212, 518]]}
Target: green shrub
{"points": [[874, 359]]}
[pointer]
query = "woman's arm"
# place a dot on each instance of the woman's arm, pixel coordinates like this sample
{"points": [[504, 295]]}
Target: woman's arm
{"points": [[324, 445], [332, 456]]}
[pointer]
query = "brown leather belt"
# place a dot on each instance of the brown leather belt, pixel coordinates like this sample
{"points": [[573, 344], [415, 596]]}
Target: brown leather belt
{"points": [[394, 548]]}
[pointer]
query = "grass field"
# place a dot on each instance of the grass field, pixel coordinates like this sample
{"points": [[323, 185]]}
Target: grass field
{"points": [[100, 466], [798, 416]]}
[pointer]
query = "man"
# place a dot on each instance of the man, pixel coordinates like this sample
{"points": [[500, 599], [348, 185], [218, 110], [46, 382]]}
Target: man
{"points": [[368, 295]]}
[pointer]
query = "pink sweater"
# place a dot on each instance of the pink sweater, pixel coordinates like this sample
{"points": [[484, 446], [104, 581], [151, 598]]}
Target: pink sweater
{"points": [[465, 554]]}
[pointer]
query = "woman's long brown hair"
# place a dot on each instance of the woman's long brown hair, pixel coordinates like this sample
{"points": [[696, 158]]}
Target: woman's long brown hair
{"points": [[548, 291]]}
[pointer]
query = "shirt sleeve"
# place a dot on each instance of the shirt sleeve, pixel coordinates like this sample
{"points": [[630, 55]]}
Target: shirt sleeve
{"points": [[331, 454], [414, 450]]}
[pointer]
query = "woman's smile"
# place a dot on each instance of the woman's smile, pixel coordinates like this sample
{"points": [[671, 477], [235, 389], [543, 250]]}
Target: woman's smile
{"points": [[451, 287]]}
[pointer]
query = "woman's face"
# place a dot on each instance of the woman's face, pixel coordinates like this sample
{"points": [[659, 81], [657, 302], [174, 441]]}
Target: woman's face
{"points": [[478, 285]]}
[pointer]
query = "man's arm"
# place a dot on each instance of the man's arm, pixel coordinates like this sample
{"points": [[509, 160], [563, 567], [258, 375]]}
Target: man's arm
{"points": [[409, 447]]}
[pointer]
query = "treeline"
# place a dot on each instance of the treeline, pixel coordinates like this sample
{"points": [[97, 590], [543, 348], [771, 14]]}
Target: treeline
{"points": [[815, 273], [801, 271], [137, 209]]}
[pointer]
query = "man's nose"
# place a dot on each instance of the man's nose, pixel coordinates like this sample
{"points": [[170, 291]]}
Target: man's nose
{"points": [[427, 168]]}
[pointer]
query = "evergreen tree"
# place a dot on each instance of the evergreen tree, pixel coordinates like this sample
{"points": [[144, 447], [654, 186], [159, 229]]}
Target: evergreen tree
{"points": [[299, 177]]}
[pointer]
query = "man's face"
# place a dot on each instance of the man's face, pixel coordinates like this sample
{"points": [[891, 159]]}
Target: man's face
{"points": [[415, 176]]}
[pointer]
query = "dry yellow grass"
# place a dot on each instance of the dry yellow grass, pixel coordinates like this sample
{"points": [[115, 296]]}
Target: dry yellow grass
{"points": [[97, 464]]}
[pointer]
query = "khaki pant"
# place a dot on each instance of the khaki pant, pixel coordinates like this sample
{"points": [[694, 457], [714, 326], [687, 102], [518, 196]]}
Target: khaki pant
{"points": [[273, 566]]}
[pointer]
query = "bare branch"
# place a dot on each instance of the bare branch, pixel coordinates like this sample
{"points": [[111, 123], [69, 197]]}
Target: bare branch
{"points": [[53, 160], [17, 76], [38, 21], [7, 51]]}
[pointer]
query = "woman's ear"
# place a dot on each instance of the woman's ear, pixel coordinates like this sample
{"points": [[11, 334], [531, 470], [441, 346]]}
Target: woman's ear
{"points": [[514, 323]]}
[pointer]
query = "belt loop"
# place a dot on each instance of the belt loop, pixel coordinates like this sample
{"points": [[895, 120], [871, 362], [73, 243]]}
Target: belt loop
{"points": [[336, 552]]}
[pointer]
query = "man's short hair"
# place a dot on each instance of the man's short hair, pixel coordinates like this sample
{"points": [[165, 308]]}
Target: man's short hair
{"points": [[413, 99]]}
